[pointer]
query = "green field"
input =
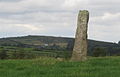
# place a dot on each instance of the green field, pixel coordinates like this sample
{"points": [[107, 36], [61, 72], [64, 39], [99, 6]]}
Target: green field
{"points": [[50, 67], [11, 52]]}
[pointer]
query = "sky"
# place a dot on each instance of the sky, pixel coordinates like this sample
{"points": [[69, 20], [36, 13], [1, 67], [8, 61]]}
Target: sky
{"points": [[59, 18]]}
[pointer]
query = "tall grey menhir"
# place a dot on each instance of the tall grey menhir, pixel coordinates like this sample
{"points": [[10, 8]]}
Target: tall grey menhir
{"points": [[81, 44]]}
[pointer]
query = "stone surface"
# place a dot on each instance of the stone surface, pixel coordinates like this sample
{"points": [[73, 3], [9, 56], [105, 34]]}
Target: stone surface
{"points": [[81, 44]]}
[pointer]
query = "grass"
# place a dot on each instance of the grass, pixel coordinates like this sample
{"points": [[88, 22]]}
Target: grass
{"points": [[50, 67]]}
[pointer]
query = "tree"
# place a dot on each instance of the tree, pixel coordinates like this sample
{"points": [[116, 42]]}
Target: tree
{"points": [[100, 52], [3, 54], [70, 45]]}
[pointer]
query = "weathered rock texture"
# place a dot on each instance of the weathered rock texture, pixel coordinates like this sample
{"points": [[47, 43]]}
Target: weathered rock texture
{"points": [[80, 45]]}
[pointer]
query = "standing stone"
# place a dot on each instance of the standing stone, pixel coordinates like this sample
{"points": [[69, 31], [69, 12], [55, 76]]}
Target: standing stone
{"points": [[81, 45]]}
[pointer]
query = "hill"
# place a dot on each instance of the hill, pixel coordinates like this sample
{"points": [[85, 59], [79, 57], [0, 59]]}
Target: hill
{"points": [[57, 43]]}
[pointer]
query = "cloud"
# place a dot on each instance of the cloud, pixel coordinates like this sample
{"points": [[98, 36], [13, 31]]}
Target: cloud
{"points": [[9, 0], [74, 3], [20, 27], [106, 19], [59, 17], [110, 16], [28, 26], [105, 27], [28, 6], [105, 33], [8, 30]]}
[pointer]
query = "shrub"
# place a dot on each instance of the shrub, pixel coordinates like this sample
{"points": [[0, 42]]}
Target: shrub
{"points": [[3, 54], [99, 52]]}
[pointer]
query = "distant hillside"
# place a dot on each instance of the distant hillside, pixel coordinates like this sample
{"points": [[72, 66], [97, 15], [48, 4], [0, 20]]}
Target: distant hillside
{"points": [[62, 42], [36, 40]]}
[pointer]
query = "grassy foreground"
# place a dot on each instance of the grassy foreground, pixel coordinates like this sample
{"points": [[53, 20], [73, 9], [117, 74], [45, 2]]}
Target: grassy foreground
{"points": [[44, 67]]}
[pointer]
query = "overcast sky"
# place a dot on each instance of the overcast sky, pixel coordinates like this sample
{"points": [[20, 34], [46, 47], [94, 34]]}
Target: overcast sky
{"points": [[59, 18]]}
